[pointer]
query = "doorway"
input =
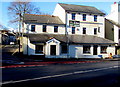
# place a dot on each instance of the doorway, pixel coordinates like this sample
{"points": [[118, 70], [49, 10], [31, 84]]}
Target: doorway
{"points": [[53, 50], [95, 49]]}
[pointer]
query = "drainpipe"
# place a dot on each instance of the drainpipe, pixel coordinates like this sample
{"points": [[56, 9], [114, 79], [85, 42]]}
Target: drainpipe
{"points": [[66, 34], [27, 45]]}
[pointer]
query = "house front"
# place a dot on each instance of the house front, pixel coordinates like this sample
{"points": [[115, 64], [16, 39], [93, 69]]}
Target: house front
{"points": [[81, 20], [69, 33], [55, 46]]}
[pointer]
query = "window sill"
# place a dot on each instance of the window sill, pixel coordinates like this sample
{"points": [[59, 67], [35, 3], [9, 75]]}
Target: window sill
{"points": [[39, 53], [86, 53], [104, 53]]}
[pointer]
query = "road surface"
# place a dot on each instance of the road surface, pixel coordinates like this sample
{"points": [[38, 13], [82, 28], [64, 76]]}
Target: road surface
{"points": [[99, 74]]}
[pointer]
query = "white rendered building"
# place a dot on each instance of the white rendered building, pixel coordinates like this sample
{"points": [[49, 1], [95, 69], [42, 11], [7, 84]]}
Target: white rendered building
{"points": [[74, 31]]}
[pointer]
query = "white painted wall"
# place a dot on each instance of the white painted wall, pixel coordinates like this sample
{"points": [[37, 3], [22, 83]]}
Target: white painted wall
{"points": [[119, 17], [114, 15], [60, 12], [116, 34], [31, 47], [49, 29], [89, 24], [25, 45], [52, 42], [75, 51]]}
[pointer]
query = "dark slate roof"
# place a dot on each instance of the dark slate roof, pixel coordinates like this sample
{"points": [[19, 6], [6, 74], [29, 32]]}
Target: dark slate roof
{"points": [[73, 39], [44, 19], [113, 22], [80, 8]]}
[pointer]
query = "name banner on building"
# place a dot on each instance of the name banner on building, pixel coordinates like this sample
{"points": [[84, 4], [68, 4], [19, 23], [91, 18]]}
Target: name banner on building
{"points": [[74, 23]]}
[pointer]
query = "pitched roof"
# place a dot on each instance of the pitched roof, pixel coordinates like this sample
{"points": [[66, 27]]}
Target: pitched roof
{"points": [[80, 8], [74, 39], [113, 22], [44, 19]]}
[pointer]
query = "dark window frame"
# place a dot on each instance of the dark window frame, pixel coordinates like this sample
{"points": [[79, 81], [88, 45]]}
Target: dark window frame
{"points": [[103, 49], [32, 28], [64, 49], [73, 30], [119, 34], [44, 28], [84, 17], [73, 16], [99, 29], [95, 18], [39, 49], [55, 29], [84, 30], [95, 31], [86, 49]]}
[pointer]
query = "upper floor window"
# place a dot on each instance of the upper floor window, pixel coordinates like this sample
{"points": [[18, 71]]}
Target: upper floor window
{"points": [[73, 16], [95, 31], [84, 30], [73, 30], [55, 28], [84, 17], [95, 18], [33, 28], [44, 28]]}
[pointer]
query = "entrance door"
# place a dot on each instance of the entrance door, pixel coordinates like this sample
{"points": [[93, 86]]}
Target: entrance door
{"points": [[53, 50], [95, 50]]}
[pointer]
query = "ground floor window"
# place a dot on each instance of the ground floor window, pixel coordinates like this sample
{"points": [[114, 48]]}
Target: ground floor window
{"points": [[64, 49], [86, 49], [73, 30], [39, 49], [103, 49]]}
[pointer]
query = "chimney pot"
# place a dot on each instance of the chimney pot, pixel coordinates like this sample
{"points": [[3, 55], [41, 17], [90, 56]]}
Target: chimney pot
{"points": [[114, 2]]}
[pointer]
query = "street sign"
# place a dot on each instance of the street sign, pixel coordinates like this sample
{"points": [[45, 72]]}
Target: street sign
{"points": [[74, 23]]}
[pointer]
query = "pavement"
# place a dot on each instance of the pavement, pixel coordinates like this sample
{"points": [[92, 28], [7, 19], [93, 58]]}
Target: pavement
{"points": [[9, 61], [45, 63]]}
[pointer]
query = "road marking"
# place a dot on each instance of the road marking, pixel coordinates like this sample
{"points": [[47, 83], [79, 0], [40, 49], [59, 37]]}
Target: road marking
{"points": [[59, 75]]}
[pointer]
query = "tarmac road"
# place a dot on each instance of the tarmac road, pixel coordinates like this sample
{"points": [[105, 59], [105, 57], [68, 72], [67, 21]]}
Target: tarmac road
{"points": [[99, 74]]}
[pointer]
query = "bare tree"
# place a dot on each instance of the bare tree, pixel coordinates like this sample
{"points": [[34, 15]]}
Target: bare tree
{"points": [[18, 8]]}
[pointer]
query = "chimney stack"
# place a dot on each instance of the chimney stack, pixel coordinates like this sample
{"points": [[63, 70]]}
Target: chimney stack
{"points": [[115, 2]]}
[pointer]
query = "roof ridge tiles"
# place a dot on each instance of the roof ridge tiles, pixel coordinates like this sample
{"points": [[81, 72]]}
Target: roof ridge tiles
{"points": [[41, 15], [77, 5]]}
